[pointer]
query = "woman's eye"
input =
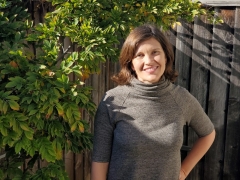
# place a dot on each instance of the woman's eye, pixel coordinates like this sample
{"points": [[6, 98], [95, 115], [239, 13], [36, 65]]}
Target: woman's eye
{"points": [[155, 52], [139, 55]]}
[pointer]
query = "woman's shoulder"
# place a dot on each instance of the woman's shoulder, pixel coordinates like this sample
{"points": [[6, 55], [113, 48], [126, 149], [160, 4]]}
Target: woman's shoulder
{"points": [[118, 91], [181, 94], [179, 90], [117, 94]]}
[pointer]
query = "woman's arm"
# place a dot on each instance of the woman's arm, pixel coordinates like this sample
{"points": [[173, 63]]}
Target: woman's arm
{"points": [[99, 171], [197, 152]]}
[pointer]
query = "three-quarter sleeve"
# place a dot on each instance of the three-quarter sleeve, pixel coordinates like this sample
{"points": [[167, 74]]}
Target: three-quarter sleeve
{"points": [[197, 119], [103, 134]]}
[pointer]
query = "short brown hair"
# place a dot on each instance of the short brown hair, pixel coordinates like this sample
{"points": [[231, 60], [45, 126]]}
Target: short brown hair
{"points": [[138, 35]]}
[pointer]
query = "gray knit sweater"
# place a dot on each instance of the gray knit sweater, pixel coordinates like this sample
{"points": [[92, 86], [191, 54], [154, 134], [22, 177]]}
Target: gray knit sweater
{"points": [[139, 130]]}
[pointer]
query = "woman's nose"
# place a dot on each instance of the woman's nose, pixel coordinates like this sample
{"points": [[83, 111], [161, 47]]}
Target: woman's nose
{"points": [[148, 59]]}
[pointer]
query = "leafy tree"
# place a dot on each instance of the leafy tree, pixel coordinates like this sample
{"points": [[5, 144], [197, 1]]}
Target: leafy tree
{"points": [[40, 106]]}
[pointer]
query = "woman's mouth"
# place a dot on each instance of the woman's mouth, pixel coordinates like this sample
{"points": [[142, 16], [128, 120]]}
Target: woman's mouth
{"points": [[150, 69]]}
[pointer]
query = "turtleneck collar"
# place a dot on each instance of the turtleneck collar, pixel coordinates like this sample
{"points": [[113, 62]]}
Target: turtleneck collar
{"points": [[151, 90]]}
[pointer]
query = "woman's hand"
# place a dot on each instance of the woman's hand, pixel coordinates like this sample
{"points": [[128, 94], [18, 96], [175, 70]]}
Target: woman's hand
{"points": [[182, 175], [197, 152]]}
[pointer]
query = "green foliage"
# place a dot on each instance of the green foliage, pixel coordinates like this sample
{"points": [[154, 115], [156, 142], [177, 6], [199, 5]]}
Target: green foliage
{"points": [[40, 105]]}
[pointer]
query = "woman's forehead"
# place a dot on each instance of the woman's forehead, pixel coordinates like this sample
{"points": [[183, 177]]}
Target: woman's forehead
{"points": [[152, 43]]}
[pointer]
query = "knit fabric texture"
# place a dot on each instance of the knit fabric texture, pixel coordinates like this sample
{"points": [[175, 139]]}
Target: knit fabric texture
{"points": [[138, 129]]}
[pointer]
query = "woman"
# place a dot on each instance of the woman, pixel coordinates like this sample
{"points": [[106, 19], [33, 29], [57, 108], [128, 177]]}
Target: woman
{"points": [[138, 130]]}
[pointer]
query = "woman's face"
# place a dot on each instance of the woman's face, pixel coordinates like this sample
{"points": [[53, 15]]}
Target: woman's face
{"points": [[149, 61]]}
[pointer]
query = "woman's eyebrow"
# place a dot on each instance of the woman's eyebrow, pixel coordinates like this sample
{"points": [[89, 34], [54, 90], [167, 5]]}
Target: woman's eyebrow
{"points": [[158, 48]]}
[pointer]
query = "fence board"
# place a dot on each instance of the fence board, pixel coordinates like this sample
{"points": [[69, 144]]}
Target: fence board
{"points": [[232, 147], [201, 56], [87, 165], [171, 35], [183, 53], [79, 166], [218, 93], [69, 166]]}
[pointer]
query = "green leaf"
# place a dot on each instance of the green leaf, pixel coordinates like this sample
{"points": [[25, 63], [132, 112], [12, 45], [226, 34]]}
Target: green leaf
{"points": [[59, 109], [81, 127], [69, 114], [17, 36], [65, 78], [50, 110], [5, 107], [15, 126], [11, 84], [12, 97], [58, 149], [62, 90], [13, 105], [56, 92], [18, 146], [28, 134], [32, 112], [24, 126], [74, 126], [1, 105], [3, 130]]}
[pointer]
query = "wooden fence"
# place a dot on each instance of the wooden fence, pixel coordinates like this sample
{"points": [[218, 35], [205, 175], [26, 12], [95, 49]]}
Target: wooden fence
{"points": [[207, 58], [208, 61]]}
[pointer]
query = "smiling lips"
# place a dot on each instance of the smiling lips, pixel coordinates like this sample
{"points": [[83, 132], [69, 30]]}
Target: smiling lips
{"points": [[150, 69]]}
